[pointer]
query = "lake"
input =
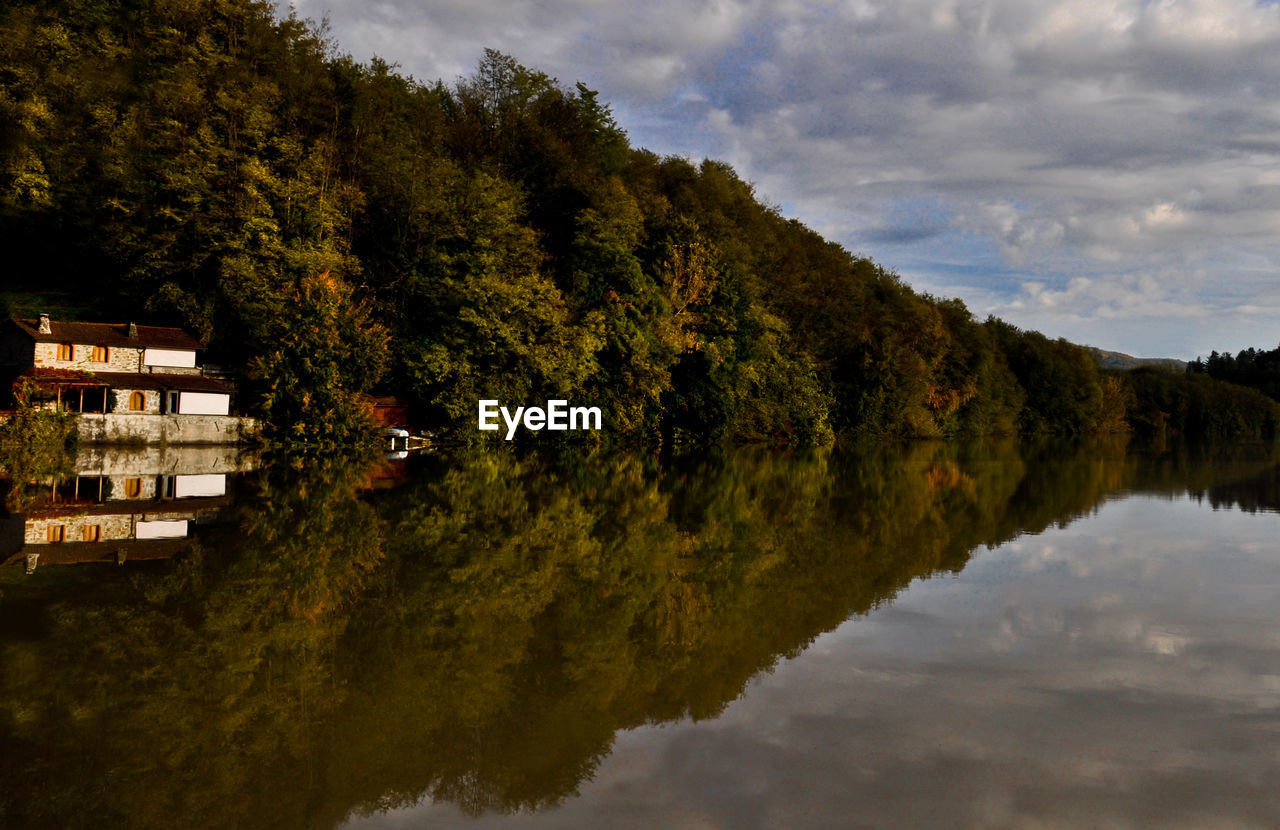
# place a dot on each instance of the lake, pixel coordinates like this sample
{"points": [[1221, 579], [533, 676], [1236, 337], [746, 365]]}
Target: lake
{"points": [[991, 634]]}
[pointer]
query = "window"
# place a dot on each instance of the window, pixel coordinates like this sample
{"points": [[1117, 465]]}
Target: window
{"points": [[92, 533], [56, 533], [66, 351], [137, 402], [99, 354], [132, 488]]}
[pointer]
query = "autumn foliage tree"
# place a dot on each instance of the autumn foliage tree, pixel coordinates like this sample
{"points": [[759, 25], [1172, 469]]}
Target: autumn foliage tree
{"points": [[327, 351]]}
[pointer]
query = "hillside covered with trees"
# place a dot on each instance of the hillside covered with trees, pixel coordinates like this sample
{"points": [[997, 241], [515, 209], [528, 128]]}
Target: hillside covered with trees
{"points": [[331, 227]]}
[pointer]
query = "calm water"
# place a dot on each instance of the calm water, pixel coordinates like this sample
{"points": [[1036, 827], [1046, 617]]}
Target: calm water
{"points": [[988, 635]]}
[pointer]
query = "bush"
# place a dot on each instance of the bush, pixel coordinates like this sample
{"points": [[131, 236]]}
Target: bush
{"points": [[35, 444]]}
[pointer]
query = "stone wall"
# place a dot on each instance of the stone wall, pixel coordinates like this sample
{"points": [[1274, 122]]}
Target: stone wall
{"points": [[119, 358], [118, 488], [173, 370], [134, 428], [111, 528], [153, 460], [120, 400]]}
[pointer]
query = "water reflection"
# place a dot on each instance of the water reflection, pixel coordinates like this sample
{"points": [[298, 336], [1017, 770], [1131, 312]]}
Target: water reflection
{"points": [[504, 635], [1116, 673], [119, 503]]}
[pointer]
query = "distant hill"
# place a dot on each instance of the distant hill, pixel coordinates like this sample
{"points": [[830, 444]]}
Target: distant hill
{"points": [[1120, 360]]}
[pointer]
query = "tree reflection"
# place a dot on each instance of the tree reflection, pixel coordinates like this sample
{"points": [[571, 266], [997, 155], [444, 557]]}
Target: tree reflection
{"points": [[481, 633]]}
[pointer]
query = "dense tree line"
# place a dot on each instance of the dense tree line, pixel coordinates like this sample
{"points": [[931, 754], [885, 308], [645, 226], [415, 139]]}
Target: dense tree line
{"points": [[205, 160], [1197, 405], [1256, 368]]}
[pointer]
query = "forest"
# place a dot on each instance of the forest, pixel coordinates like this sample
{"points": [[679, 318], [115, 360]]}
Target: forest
{"points": [[331, 228], [1256, 368]]}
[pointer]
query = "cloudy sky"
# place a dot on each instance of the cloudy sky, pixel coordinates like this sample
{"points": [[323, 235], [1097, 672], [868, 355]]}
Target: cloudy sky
{"points": [[1102, 170]]}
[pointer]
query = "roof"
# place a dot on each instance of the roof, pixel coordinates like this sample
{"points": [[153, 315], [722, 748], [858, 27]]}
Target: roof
{"points": [[164, 380], [75, 553], [186, 508], [62, 377], [384, 401], [110, 334], [125, 380]]}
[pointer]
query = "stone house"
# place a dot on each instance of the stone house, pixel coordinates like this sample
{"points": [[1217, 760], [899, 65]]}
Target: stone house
{"points": [[118, 378]]}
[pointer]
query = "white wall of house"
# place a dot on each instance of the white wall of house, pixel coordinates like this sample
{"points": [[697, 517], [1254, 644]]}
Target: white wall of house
{"points": [[203, 403], [169, 357], [161, 529], [203, 486]]}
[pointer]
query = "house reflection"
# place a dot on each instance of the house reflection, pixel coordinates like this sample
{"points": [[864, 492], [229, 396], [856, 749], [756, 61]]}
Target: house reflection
{"points": [[123, 504]]}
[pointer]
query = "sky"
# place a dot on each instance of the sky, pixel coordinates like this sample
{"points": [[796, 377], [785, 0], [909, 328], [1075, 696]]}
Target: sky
{"points": [[1100, 170]]}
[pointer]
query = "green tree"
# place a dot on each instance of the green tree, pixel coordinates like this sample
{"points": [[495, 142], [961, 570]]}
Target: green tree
{"points": [[327, 352], [36, 445]]}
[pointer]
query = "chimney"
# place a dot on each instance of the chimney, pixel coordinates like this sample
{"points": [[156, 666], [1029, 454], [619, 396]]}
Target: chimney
{"points": [[133, 331], [44, 324]]}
